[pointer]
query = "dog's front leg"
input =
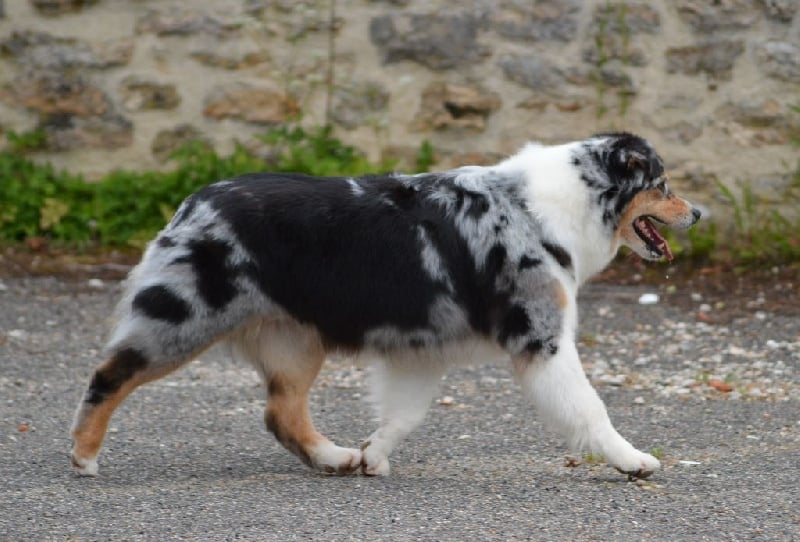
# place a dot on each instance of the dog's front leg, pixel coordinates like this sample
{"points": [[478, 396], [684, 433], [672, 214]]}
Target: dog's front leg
{"points": [[565, 399], [401, 390]]}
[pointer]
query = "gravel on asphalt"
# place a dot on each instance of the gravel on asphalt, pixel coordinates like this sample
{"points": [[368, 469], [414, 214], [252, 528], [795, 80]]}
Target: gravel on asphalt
{"points": [[188, 457]]}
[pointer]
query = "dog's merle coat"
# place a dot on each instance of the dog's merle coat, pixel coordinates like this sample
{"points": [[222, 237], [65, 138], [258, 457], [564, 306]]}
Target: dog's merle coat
{"points": [[396, 265]]}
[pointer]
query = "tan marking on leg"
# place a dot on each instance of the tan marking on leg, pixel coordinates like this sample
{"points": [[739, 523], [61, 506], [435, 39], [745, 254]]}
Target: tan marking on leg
{"points": [[92, 423], [287, 415], [92, 419]]}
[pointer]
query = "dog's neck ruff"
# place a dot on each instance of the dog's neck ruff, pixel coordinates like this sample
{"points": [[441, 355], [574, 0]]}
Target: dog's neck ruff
{"points": [[562, 204]]}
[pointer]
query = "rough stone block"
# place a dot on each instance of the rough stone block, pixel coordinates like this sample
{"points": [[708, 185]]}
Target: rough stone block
{"points": [[758, 122], [453, 106], [141, 94], [714, 58], [357, 103], [60, 7], [537, 20], [780, 10], [41, 50], [436, 41], [532, 71], [56, 94], [704, 16], [623, 18], [259, 105], [68, 132], [170, 140], [779, 59], [176, 22]]}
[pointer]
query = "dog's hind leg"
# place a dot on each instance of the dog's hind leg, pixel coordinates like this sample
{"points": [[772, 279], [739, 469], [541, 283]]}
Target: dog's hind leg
{"points": [[402, 391], [289, 356], [565, 399], [125, 370]]}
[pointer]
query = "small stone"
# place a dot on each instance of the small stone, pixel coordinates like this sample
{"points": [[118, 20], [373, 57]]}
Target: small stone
{"points": [[638, 400], [446, 401], [95, 283], [612, 380], [688, 463], [649, 299], [694, 296]]}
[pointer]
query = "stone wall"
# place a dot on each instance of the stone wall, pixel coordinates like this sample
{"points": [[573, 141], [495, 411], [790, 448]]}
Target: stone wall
{"points": [[119, 83]]}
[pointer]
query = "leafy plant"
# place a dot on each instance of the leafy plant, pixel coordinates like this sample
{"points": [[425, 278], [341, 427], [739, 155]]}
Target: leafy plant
{"points": [[761, 233], [23, 142], [129, 207]]}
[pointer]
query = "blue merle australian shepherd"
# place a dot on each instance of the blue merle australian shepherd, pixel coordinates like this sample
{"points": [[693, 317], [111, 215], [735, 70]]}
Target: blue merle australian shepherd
{"points": [[412, 273]]}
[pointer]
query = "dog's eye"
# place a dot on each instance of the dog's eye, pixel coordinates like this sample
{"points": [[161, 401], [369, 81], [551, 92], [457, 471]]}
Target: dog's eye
{"points": [[662, 187]]}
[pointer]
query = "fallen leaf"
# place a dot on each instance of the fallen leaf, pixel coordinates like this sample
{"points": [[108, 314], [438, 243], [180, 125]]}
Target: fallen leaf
{"points": [[703, 317], [719, 385]]}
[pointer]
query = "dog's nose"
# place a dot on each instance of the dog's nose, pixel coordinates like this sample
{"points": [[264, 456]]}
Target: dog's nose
{"points": [[696, 214]]}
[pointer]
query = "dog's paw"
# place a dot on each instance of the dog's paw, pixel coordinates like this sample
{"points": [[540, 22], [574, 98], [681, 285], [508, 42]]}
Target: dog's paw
{"points": [[637, 465], [374, 463], [336, 460], [83, 466]]}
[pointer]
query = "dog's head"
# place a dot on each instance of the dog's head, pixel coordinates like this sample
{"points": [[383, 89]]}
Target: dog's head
{"points": [[627, 177]]}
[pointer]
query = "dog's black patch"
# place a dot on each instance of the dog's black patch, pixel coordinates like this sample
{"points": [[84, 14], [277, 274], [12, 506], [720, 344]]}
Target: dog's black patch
{"points": [[404, 196], [515, 324], [559, 253], [185, 210], [109, 378], [166, 241], [502, 223], [209, 258], [161, 303], [526, 262], [495, 261], [478, 205]]}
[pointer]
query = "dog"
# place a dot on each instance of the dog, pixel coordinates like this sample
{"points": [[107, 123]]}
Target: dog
{"points": [[412, 273]]}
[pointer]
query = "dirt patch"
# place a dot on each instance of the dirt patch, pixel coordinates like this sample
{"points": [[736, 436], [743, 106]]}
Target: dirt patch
{"points": [[726, 290]]}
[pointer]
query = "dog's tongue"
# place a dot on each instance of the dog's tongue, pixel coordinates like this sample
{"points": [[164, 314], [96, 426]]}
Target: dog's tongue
{"points": [[658, 239]]}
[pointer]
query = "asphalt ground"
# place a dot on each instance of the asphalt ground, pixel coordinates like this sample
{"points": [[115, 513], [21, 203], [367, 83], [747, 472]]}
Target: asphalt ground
{"points": [[188, 457]]}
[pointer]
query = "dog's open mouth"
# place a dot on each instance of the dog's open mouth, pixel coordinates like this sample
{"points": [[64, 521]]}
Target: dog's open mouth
{"points": [[647, 232]]}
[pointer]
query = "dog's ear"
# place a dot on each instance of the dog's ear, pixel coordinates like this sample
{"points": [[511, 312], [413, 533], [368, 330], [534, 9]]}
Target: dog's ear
{"points": [[638, 163]]}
